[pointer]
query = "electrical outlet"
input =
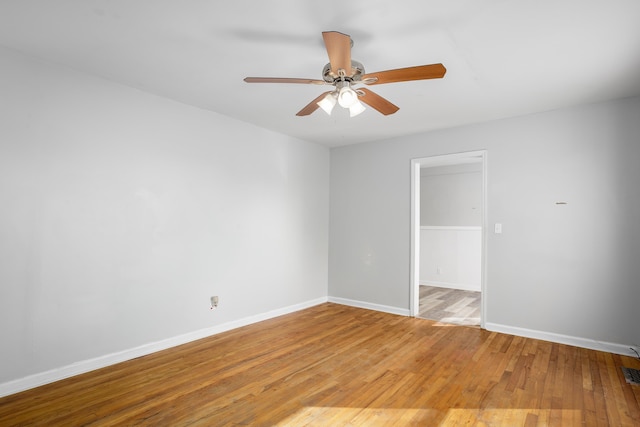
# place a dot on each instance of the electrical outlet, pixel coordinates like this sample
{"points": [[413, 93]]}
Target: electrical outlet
{"points": [[438, 271], [214, 301]]}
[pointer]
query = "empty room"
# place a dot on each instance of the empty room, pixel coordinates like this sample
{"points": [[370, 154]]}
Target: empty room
{"points": [[227, 213]]}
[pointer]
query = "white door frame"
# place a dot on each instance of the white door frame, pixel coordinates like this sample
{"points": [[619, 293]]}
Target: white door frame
{"points": [[443, 160]]}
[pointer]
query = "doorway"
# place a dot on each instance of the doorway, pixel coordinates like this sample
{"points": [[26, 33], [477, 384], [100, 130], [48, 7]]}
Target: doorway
{"points": [[448, 237]]}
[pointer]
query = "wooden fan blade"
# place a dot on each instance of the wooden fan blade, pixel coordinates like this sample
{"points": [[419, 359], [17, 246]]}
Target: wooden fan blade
{"points": [[339, 50], [420, 72], [376, 101], [312, 106], [283, 80]]}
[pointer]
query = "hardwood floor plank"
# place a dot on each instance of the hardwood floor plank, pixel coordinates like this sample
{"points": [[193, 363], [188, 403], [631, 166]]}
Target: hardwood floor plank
{"points": [[337, 365]]}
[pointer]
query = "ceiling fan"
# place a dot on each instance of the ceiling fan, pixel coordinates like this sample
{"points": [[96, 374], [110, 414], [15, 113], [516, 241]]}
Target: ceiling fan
{"points": [[344, 74]]}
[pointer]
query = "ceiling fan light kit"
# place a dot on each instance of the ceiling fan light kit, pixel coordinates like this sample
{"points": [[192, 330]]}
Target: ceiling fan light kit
{"points": [[328, 102], [347, 96], [343, 73], [356, 109]]}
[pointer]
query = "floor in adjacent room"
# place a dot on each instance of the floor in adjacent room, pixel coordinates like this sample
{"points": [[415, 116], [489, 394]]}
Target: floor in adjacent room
{"points": [[452, 306]]}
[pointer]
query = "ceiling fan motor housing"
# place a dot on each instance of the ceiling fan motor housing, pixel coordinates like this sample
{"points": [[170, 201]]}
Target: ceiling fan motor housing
{"points": [[355, 74]]}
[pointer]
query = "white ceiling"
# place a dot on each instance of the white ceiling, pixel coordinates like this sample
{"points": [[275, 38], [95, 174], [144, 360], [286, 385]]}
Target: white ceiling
{"points": [[504, 58]]}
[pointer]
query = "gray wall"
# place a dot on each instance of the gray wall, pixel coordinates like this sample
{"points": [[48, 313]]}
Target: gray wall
{"points": [[569, 269], [121, 213]]}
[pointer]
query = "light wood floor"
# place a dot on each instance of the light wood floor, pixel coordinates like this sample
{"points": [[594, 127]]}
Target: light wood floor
{"points": [[450, 305], [333, 365]]}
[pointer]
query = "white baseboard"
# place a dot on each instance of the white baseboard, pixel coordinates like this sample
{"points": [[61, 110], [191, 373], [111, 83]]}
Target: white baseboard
{"points": [[562, 339], [371, 306], [77, 368], [73, 369], [448, 285]]}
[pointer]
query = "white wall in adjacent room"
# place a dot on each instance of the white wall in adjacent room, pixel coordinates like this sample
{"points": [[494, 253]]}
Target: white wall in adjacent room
{"points": [[451, 257], [451, 220], [563, 184], [121, 213]]}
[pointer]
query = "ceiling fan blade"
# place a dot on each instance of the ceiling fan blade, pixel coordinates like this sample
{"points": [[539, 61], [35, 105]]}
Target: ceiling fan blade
{"points": [[420, 72], [312, 106], [339, 50], [376, 101], [283, 80]]}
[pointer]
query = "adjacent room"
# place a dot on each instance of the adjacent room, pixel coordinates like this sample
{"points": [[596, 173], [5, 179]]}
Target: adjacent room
{"points": [[450, 240], [225, 213]]}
